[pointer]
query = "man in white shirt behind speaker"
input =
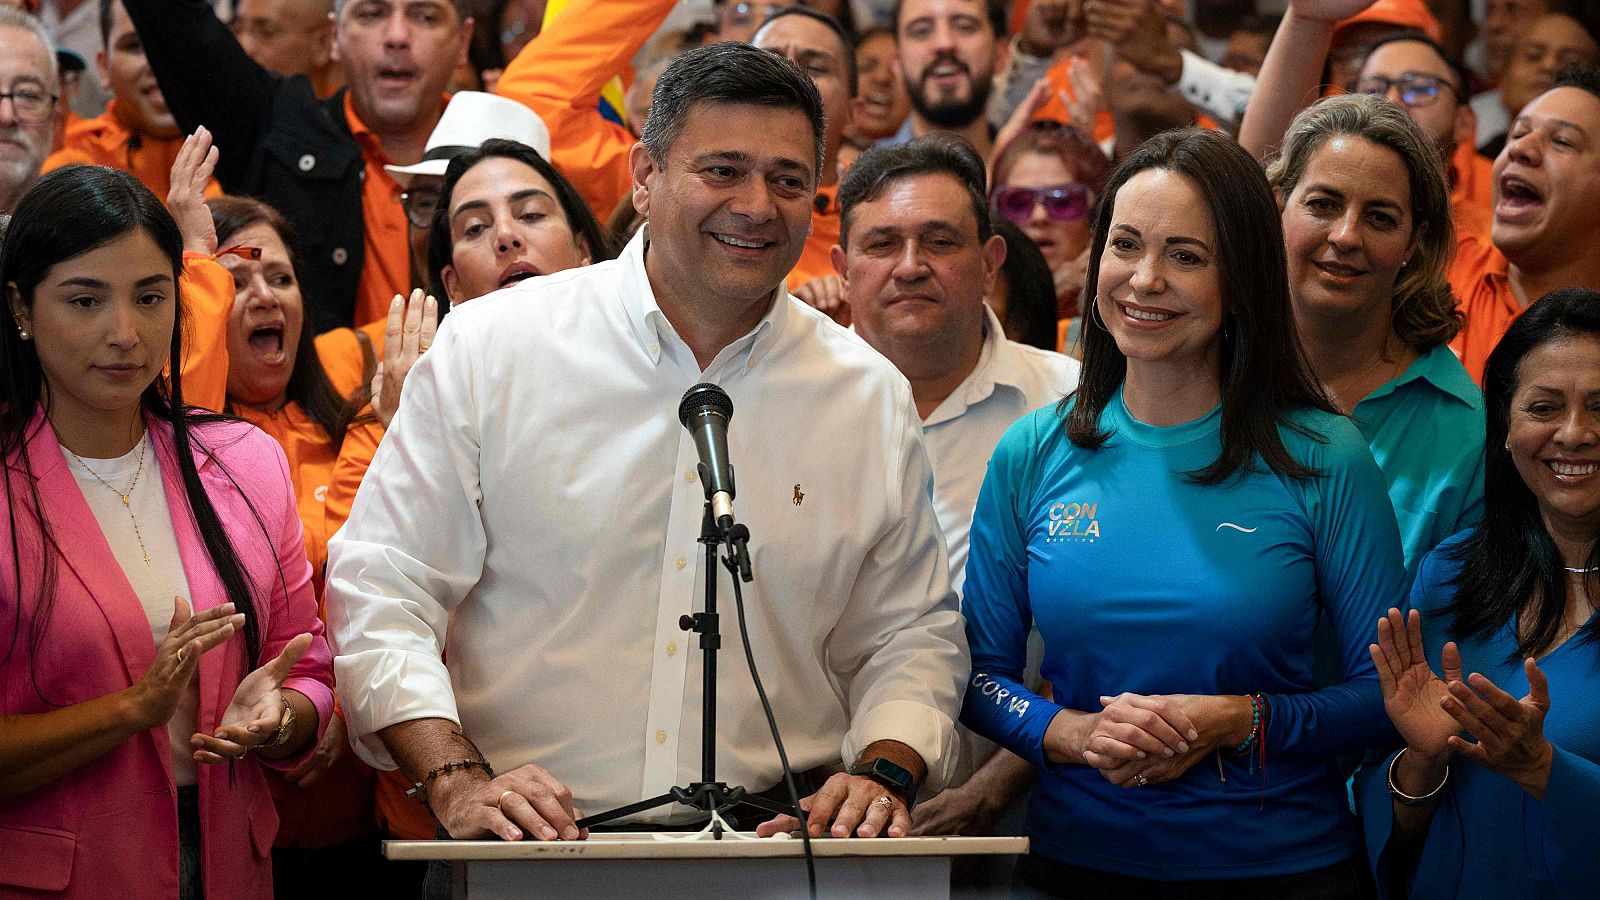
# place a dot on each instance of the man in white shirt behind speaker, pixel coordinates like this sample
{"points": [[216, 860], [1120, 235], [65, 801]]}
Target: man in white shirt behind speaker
{"points": [[917, 255], [507, 592]]}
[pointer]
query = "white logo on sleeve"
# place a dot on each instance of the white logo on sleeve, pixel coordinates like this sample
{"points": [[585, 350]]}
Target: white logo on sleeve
{"points": [[1239, 528]]}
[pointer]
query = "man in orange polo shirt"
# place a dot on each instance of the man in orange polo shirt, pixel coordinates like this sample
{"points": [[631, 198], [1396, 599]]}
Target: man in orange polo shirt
{"points": [[1546, 186], [319, 162], [136, 133], [815, 42]]}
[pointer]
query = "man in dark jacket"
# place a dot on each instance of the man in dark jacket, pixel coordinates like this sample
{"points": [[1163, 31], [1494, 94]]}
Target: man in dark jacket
{"points": [[319, 162]]}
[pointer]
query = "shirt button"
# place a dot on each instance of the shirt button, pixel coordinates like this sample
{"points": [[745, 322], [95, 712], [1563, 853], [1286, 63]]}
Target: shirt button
{"points": [[307, 163], [340, 256], [681, 562], [654, 349], [661, 737], [689, 475], [672, 649]]}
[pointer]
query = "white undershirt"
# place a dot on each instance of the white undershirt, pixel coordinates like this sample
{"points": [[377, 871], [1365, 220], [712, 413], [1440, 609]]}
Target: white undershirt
{"points": [[155, 583]]}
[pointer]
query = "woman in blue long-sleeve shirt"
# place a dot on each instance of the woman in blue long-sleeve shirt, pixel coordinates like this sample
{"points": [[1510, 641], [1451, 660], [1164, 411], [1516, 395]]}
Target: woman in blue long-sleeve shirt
{"points": [[1174, 530], [1495, 796]]}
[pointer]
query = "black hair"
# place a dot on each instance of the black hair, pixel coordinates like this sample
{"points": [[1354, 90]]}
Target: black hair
{"points": [[847, 47], [579, 217], [1264, 373], [1511, 569], [1030, 289], [65, 214], [1462, 85], [939, 153], [875, 31], [728, 72], [996, 16], [308, 381], [1581, 75], [105, 22]]}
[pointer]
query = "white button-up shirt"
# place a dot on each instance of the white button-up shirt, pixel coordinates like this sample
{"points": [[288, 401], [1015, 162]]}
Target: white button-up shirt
{"points": [[1009, 381], [532, 514]]}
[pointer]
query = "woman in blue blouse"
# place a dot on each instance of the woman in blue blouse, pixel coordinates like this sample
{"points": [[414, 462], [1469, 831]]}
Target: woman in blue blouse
{"points": [[1175, 529], [1495, 796]]}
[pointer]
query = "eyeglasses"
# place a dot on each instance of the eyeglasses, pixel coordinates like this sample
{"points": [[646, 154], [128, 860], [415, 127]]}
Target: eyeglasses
{"points": [[1416, 89], [31, 104], [420, 205], [1062, 203]]}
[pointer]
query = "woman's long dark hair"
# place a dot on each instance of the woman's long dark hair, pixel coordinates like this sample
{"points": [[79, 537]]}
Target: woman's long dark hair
{"points": [[308, 381], [1510, 567], [65, 214], [579, 217], [1030, 289], [1264, 373]]}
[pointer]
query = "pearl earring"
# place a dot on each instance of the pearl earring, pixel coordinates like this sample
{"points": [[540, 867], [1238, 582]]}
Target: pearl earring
{"points": [[23, 333]]}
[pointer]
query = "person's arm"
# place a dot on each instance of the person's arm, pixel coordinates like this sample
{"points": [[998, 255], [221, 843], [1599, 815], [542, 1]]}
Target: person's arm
{"points": [[1290, 73], [1051, 25], [207, 78], [560, 75], [972, 808], [391, 586], [1561, 827], [1217, 91]]}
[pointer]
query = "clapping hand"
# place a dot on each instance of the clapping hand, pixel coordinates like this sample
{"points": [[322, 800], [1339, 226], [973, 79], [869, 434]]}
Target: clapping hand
{"points": [[1508, 733], [186, 199], [156, 695], [252, 716], [1412, 694]]}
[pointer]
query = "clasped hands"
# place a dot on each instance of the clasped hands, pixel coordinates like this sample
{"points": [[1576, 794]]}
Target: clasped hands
{"points": [[1137, 740]]}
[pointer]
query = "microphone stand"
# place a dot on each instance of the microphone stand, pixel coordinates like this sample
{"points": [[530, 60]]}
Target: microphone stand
{"points": [[708, 794]]}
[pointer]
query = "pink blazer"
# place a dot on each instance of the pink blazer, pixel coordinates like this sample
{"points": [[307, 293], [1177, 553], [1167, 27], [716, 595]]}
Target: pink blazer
{"points": [[110, 827]]}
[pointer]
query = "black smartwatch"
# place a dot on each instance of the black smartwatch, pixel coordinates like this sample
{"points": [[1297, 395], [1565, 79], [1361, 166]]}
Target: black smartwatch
{"points": [[895, 780]]}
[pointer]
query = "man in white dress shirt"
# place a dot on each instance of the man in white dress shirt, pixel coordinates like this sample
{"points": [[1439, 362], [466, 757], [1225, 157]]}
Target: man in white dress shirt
{"points": [[917, 256], [531, 517]]}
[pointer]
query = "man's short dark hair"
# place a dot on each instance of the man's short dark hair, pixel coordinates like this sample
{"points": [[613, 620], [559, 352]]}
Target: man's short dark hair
{"points": [[1581, 75], [847, 48], [997, 11], [728, 72], [939, 153], [1462, 81]]}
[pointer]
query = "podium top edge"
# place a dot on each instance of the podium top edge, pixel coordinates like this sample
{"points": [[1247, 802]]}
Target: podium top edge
{"points": [[645, 845]]}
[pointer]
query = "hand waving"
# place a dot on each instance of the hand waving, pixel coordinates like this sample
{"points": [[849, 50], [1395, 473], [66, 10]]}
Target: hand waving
{"points": [[186, 199], [407, 334], [1412, 693], [257, 707]]}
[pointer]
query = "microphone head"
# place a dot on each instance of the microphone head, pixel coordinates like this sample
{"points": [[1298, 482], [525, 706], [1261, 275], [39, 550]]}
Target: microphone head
{"points": [[704, 396]]}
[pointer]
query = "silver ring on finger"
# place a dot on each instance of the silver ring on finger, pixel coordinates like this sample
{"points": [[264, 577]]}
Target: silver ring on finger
{"points": [[1140, 780], [885, 801]]}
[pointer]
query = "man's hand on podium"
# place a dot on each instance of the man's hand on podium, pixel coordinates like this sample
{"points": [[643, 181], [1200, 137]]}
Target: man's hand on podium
{"points": [[853, 804], [527, 801]]}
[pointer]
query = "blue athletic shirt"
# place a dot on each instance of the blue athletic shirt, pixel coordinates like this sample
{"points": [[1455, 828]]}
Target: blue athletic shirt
{"points": [[1141, 580]]}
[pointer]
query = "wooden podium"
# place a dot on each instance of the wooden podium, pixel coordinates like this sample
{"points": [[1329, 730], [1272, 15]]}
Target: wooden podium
{"points": [[621, 865]]}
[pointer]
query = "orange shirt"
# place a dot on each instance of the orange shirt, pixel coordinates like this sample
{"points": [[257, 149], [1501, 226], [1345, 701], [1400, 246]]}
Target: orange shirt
{"points": [[105, 141], [1479, 276], [1471, 191], [816, 260], [560, 75], [1105, 128], [207, 292], [386, 266]]}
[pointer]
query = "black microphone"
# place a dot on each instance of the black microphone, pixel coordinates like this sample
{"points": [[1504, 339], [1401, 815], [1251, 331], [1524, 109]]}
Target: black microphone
{"points": [[705, 411]]}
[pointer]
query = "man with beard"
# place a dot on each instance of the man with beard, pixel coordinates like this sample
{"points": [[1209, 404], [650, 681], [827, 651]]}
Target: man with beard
{"points": [[136, 133], [946, 51], [30, 87]]}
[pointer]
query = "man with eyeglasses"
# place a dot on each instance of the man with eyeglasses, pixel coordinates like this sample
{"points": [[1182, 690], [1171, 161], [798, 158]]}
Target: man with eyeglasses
{"points": [[29, 87], [917, 255]]}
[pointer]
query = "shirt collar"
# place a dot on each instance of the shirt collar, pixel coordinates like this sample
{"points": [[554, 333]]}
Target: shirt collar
{"points": [[1439, 368], [650, 324], [997, 367]]}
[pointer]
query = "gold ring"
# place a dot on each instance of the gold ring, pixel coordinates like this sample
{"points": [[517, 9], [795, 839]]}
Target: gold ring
{"points": [[885, 801], [180, 655], [502, 798]]}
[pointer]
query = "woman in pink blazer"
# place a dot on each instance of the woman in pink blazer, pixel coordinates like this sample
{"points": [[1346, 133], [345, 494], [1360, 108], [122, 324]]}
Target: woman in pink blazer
{"points": [[133, 722]]}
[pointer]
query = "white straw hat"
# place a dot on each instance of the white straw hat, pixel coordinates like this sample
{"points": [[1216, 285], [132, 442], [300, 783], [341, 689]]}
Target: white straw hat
{"points": [[471, 118]]}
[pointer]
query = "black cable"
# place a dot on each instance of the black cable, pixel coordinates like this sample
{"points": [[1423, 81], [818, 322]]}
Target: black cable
{"points": [[772, 723]]}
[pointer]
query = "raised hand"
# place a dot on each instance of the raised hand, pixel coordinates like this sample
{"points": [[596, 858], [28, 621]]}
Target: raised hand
{"points": [[252, 716], [1051, 25], [1086, 100], [1329, 11], [407, 334], [156, 695], [1412, 693], [1509, 733], [1138, 29], [1037, 97], [186, 199]]}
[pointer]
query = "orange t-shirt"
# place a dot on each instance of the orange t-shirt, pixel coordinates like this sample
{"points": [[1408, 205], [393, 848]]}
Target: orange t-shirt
{"points": [[1105, 128], [105, 141], [1479, 276], [816, 260], [386, 267], [207, 292], [1472, 192]]}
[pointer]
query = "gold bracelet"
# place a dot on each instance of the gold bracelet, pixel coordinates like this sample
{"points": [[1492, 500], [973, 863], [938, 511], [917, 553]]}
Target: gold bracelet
{"points": [[285, 727]]}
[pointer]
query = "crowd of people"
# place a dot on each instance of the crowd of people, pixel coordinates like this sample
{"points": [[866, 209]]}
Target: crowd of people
{"points": [[1118, 385]]}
